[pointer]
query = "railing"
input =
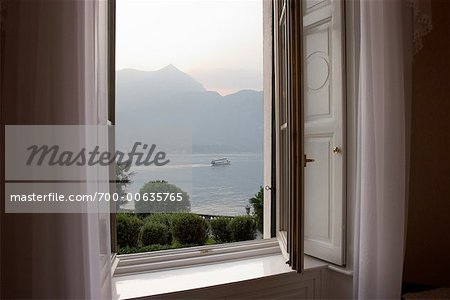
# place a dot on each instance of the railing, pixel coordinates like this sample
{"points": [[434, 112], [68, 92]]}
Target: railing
{"points": [[212, 217], [206, 217]]}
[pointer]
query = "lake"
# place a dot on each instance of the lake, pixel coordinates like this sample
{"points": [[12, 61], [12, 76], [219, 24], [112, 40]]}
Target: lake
{"points": [[220, 190]]}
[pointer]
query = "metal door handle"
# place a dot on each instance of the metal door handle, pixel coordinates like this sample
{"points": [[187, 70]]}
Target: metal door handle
{"points": [[336, 150]]}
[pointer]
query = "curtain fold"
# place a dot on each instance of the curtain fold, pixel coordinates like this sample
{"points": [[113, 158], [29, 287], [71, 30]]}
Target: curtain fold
{"points": [[54, 70], [421, 22], [381, 151]]}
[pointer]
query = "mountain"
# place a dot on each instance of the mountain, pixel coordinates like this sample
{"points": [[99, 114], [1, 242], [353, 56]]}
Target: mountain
{"points": [[217, 124], [138, 85], [226, 81]]}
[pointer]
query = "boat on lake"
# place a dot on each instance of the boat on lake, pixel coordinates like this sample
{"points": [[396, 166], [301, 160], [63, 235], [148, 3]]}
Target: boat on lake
{"points": [[220, 162]]}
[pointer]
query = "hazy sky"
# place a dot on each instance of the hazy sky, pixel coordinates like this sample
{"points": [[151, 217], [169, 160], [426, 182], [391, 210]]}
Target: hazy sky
{"points": [[217, 42]]}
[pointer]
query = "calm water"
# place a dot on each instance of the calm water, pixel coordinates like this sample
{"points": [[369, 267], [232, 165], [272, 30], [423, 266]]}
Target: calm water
{"points": [[221, 190]]}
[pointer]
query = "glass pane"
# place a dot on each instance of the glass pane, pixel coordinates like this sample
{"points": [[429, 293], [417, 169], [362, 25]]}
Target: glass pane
{"points": [[189, 82], [283, 130], [283, 73], [284, 180]]}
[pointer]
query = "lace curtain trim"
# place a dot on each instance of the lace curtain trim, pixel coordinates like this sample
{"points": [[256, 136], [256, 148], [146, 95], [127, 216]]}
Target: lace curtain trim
{"points": [[422, 22]]}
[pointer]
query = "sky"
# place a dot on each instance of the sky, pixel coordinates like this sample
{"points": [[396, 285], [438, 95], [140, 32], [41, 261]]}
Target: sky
{"points": [[219, 43]]}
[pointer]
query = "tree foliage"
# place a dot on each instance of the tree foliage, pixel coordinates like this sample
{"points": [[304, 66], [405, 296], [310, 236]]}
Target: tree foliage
{"points": [[149, 202], [123, 180]]}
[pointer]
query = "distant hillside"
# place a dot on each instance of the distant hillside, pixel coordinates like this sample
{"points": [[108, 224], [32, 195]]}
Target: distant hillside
{"points": [[220, 124]]}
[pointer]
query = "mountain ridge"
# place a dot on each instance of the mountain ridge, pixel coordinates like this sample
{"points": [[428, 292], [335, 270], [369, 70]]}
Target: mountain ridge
{"points": [[232, 123], [173, 68]]}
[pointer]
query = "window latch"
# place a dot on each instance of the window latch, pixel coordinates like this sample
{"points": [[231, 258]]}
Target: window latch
{"points": [[307, 160]]}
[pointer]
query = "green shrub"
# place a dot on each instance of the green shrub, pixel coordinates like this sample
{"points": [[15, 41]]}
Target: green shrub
{"points": [[220, 229], [257, 202], [153, 233], [189, 229], [162, 218], [243, 228], [128, 250], [128, 229], [166, 204]]}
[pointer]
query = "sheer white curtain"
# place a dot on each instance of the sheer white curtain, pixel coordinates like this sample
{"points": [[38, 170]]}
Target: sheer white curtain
{"points": [[54, 70], [381, 151]]}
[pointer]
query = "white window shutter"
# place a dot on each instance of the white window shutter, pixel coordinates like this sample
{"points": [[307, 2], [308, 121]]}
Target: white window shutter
{"points": [[324, 130]]}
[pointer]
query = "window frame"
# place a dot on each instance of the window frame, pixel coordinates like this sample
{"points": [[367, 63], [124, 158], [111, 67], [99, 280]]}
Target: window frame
{"points": [[282, 128], [127, 264], [290, 155], [112, 115]]}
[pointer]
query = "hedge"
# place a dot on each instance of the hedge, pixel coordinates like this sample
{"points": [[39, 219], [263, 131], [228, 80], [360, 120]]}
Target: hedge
{"points": [[128, 229], [189, 229], [243, 228]]}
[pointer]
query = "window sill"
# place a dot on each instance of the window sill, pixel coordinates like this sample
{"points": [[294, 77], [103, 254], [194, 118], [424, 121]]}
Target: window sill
{"points": [[200, 276], [175, 280], [311, 263]]}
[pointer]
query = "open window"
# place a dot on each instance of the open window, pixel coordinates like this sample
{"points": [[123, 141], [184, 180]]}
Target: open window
{"points": [[309, 129], [303, 120]]}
